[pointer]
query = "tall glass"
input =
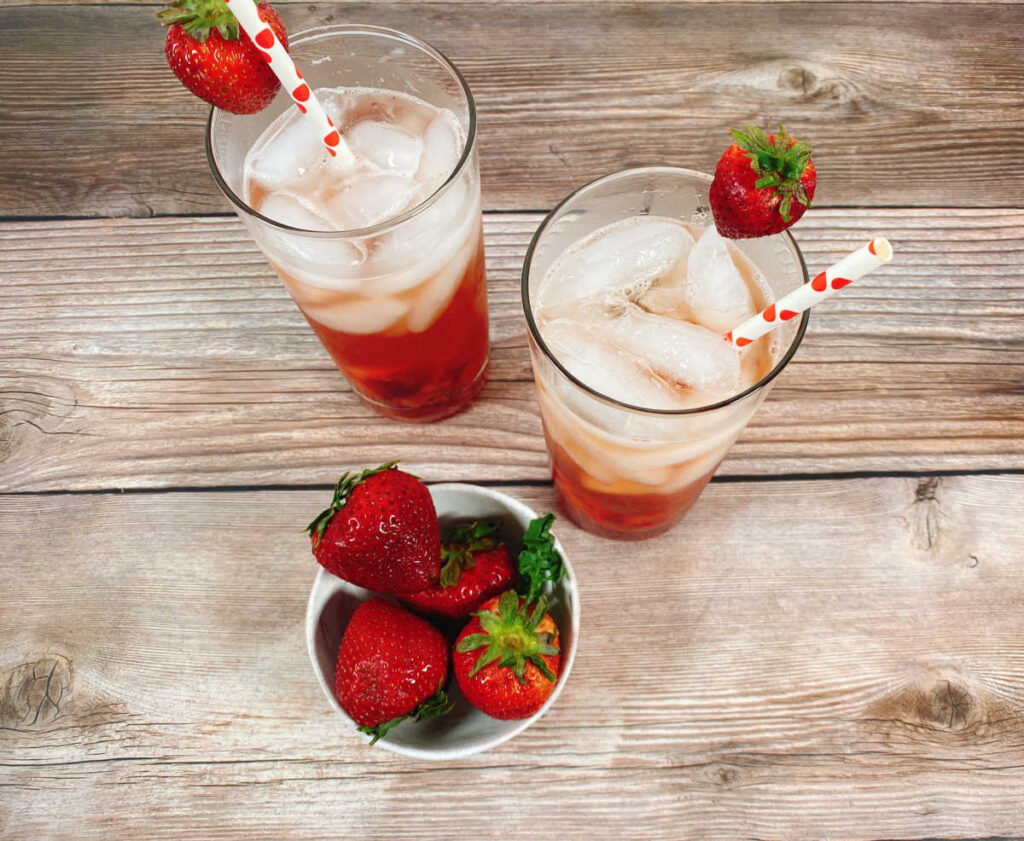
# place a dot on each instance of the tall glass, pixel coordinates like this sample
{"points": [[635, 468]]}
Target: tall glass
{"points": [[407, 327], [624, 471]]}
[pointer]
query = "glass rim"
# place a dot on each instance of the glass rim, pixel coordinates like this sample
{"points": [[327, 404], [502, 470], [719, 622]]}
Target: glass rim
{"points": [[313, 33], [611, 401]]}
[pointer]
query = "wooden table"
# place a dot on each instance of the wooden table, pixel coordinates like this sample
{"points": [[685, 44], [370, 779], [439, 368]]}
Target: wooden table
{"points": [[830, 646]]}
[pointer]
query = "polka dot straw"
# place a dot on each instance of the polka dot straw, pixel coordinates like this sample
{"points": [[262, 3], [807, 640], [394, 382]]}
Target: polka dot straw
{"points": [[852, 267], [284, 68]]}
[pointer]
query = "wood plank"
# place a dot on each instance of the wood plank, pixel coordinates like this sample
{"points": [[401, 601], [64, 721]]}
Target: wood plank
{"points": [[163, 352], [482, 2], [858, 675], [900, 113]]}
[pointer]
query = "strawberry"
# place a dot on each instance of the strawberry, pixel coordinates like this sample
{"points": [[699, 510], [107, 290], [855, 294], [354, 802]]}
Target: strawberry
{"points": [[387, 539], [475, 566], [215, 60], [517, 671], [392, 665], [756, 181]]}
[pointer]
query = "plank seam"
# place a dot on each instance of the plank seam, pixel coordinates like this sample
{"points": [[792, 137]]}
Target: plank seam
{"points": [[227, 214], [852, 475]]}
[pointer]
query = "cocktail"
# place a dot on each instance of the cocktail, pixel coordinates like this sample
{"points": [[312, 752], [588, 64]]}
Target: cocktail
{"points": [[628, 291], [383, 254]]}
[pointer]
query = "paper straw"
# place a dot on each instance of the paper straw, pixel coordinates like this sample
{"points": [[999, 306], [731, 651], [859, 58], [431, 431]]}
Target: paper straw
{"points": [[852, 267], [284, 68]]}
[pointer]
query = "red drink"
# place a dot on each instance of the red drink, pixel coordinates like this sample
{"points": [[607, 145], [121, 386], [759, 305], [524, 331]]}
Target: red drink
{"points": [[635, 515], [420, 376]]}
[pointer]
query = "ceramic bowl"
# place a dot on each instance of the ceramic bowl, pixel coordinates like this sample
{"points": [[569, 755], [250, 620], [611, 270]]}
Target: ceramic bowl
{"points": [[465, 730]]}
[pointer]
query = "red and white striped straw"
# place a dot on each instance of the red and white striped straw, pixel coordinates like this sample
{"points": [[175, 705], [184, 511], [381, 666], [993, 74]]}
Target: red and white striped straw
{"points": [[852, 267], [284, 68]]}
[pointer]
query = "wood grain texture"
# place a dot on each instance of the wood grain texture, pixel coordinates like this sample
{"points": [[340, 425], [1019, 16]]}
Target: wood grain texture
{"points": [[155, 353], [899, 114], [857, 674], [482, 2]]}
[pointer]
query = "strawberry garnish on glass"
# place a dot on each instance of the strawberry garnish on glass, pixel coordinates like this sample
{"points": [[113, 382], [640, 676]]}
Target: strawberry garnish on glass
{"points": [[215, 60], [763, 184]]}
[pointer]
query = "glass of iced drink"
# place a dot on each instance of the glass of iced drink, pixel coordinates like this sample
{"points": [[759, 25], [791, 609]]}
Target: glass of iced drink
{"points": [[384, 258], [628, 290]]}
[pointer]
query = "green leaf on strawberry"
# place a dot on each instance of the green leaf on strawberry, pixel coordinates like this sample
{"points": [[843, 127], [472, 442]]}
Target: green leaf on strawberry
{"points": [[460, 543], [342, 491], [198, 18], [539, 561], [762, 184], [510, 637], [436, 706]]}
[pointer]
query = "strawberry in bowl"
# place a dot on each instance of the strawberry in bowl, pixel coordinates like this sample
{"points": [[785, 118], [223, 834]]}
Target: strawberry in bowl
{"points": [[476, 565], [507, 658], [391, 666], [380, 532]]}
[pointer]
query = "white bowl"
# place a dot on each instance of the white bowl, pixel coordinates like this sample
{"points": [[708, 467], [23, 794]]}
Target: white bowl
{"points": [[465, 730]]}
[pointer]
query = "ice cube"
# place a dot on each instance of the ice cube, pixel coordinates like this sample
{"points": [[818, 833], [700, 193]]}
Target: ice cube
{"points": [[666, 300], [290, 210], [292, 155], [454, 209], [438, 292], [441, 149], [333, 257], [428, 240], [361, 316], [307, 294], [681, 352], [624, 261], [714, 288], [371, 200], [587, 352], [391, 148]]}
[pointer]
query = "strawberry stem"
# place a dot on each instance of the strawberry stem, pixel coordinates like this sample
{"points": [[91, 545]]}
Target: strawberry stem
{"points": [[434, 707], [779, 163], [199, 17], [342, 491], [460, 543], [510, 637]]}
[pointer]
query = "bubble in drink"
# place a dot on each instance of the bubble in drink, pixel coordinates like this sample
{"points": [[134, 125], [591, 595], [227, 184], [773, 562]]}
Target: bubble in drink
{"points": [[618, 262]]}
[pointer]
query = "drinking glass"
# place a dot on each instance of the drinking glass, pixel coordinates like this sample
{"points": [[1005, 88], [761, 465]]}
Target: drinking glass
{"points": [[408, 326], [625, 471]]}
